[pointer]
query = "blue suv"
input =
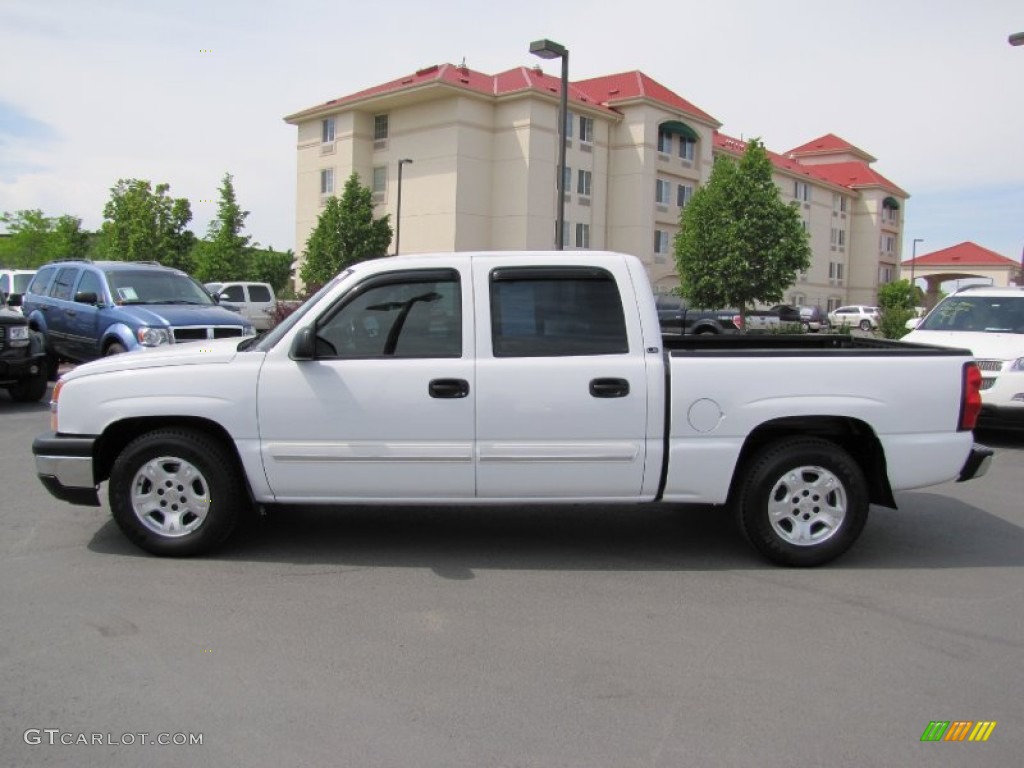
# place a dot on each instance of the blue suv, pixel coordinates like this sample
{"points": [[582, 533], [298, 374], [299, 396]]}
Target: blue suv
{"points": [[89, 309]]}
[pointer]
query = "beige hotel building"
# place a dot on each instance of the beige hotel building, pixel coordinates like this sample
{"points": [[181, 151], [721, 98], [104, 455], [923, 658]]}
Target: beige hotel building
{"points": [[484, 157]]}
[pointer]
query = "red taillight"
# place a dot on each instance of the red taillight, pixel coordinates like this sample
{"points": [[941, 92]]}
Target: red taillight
{"points": [[970, 398]]}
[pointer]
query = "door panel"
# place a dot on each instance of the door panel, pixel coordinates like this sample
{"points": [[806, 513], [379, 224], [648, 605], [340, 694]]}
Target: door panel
{"points": [[562, 403], [386, 410]]}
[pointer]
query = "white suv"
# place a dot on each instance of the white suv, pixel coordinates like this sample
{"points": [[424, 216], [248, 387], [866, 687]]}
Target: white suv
{"points": [[855, 316], [13, 283], [989, 322]]}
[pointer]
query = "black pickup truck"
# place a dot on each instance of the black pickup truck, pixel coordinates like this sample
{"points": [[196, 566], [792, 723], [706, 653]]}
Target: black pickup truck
{"points": [[679, 319], [22, 357]]}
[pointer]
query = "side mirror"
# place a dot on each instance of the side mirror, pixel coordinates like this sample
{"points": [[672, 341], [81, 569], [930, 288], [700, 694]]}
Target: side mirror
{"points": [[912, 323], [303, 345], [86, 297], [13, 299]]}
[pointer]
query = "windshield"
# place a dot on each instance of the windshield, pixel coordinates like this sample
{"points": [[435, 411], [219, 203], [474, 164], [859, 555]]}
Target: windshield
{"points": [[155, 287], [977, 314]]}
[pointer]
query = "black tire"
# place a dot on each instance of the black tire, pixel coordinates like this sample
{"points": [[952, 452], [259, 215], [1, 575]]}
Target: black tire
{"points": [[803, 502], [32, 389], [176, 477], [115, 348], [865, 325]]}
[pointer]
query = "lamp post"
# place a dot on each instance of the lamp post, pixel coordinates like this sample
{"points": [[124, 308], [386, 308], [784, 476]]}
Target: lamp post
{"points": [[913, 258], [547, 49], [398, 207]]}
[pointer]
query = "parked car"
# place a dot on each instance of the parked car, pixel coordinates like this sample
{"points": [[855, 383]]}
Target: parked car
{"points": [[13, 283], [780, 318], [22, 358], [856, 316], [814, 318], [87, 309], [989, 322], [677, 318], [517, 378], [254, 301]]}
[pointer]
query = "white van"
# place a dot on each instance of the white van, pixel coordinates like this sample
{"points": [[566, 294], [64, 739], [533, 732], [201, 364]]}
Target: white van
{"points": [[255, 301]]}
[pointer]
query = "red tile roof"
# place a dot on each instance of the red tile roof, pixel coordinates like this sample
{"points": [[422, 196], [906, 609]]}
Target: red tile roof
{"points": [[966, 253], [502, 84], [855, 174], [626, 86], [829, 144], [738, 147]]}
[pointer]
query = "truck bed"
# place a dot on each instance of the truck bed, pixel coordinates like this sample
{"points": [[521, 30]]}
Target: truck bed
{"points": [[797, 344]]}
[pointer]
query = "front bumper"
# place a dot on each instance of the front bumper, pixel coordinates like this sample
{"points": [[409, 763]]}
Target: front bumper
{"points": [[977, 464], [15, 367], [64, 465]]}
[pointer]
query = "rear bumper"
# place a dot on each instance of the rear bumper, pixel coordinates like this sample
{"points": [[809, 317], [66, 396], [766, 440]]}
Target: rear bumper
{"points": [[64, 465], [977, 464]]}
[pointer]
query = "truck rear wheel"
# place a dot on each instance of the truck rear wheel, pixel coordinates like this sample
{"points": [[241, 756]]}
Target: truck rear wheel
{"points": [[176, 492], [804, 501]]}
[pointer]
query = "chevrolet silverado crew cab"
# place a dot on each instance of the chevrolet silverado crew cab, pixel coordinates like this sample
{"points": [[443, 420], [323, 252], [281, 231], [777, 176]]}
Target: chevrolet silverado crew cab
{"points": [[87, 309], [510, 378]]}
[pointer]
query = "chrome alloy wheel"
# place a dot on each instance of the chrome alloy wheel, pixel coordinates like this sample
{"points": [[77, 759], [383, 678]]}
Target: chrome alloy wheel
{"points": [[807, 506], [170, 496]]}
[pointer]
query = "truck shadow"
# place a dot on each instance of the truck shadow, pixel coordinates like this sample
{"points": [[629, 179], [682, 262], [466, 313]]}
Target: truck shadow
{"points": [[930, 531]]}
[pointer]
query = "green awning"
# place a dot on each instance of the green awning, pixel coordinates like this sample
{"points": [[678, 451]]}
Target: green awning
{"points": [[680, 129], [891, 202]]}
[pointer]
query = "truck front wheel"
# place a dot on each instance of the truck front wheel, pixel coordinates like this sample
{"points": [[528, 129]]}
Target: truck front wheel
{"points": [[804, 501], [176, 492]]}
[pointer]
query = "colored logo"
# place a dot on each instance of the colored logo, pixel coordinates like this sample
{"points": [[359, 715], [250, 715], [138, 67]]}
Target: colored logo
{"points": [[958, 730]]}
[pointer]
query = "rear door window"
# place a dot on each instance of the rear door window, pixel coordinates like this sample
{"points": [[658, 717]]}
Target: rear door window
{"points": [[260, 294], [556, 312]]}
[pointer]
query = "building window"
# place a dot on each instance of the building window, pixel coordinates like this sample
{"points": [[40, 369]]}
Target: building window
{"points": [[662, 191], [686, 148], [565, 232], [566, 185], [587, 129], [569, 117], [582, 235], [888, 244], [841, 238], [660, 242], [664, 142], [801, 191], [884, 273], [327, 130], [835, 270], [327, 181], [583, 183], [380, 181], [683, 194], [839, 202], [380, 127]]}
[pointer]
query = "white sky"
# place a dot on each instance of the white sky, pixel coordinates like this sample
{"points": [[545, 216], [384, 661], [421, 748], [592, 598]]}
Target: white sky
{"points": [[96, 90]]}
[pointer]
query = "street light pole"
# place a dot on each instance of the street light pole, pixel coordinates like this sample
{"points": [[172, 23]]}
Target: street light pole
{"points": [[1017, 38], [398, 207], [548, 49], [913, 258]]}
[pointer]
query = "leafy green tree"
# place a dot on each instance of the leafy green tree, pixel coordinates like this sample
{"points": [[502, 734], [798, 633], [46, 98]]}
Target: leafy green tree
{"points": [[739, 243], [265, 265], [144, 223], [36, 238], [897, 301], [346, 233], [223, 253]]}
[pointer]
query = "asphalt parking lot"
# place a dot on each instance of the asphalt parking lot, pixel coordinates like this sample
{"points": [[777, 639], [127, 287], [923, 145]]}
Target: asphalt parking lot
{"points": [[554, 636]]}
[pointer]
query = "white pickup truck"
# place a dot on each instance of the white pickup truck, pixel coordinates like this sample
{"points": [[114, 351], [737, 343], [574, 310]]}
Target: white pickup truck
{"points": [[510, 378]]}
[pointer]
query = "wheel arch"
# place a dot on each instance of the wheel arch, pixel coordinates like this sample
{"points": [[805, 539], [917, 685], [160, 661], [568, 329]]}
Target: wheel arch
{"points": [[854, 436], [118, 435]]}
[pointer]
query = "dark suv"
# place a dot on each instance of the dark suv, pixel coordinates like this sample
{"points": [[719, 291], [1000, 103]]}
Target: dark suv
{"points": [[88, 309], [22, 361]]}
